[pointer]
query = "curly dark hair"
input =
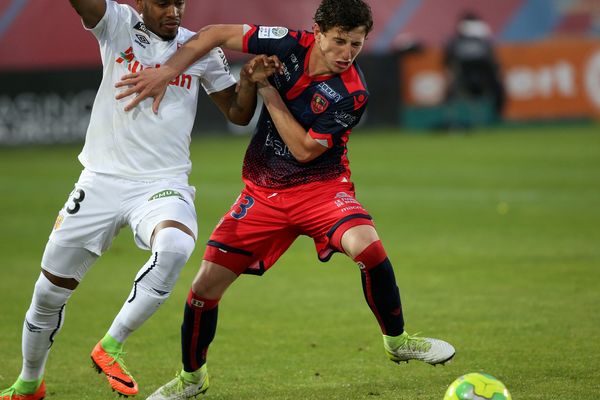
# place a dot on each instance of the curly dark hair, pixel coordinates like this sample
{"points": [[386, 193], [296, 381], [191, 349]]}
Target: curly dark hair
{"points": [[345, 14]]}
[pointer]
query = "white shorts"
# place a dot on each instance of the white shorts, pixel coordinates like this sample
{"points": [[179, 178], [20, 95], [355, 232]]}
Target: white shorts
{"points": [[100, 205]]}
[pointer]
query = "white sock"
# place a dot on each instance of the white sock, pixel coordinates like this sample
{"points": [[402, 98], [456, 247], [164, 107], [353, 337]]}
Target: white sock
{"points": [[43, 321], [154, 282]]}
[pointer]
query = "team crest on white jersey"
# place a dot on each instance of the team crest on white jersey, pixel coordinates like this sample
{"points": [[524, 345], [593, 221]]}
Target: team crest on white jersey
{"points": [[272, 32]]}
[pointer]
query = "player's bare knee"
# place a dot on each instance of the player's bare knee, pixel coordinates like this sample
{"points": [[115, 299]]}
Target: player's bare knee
{"points": [[202, 281], [358, 238], [203, 289], [212, 280]]}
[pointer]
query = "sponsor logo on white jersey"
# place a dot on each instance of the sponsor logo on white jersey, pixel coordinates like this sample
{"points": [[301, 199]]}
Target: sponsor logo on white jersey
{"points": [[142, 28], [224, 60], [143, 38], [133, 65]]}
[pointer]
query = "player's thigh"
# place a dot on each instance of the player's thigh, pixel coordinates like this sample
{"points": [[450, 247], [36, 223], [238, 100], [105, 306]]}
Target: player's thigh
{"points": [[162, 201], [326, 214], [251, 236], [90, 218], [67, 262]]}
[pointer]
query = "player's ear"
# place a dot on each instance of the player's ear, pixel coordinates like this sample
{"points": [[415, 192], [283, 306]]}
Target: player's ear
{"points": [[139, 4], [317, 31]]}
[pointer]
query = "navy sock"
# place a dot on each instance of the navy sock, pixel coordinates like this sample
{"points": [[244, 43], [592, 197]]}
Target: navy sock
{"points": [[383, 296], [197, 331]]}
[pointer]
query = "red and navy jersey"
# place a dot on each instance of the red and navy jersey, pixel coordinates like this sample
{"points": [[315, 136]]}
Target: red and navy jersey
{"points": [[328, 107]]}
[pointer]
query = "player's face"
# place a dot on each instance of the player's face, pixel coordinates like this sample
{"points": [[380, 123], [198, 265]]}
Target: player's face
{"points": [[162, 17], [338, 48]]}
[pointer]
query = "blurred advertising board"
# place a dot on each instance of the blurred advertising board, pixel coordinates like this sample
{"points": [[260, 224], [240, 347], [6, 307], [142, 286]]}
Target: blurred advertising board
{"points": [[557, 79]]}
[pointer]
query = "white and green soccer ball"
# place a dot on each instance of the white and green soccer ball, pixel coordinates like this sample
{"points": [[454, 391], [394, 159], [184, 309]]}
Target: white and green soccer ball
{"points": [[477, 386]]}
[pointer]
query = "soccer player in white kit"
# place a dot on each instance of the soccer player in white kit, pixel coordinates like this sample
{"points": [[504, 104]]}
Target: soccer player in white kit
{"points": [[136, 167]]}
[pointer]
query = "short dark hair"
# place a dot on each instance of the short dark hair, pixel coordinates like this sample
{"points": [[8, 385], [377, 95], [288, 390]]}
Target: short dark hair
{"points": [[345, 14]]}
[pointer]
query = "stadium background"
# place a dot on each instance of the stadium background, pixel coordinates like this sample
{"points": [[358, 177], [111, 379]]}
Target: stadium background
{"points": [[549, 51], [493, 231]]}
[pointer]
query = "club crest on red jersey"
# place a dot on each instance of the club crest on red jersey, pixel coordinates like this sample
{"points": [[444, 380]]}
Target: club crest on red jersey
{"points": [[318, 104]]}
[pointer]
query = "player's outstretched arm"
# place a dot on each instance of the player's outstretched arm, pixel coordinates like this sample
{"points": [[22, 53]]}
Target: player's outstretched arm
{"points": [[153, 82], [91, 11]]}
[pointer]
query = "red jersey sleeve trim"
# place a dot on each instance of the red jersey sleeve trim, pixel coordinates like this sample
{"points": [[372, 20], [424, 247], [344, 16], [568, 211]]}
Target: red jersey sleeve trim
{"points": [[322, 138], [247, 37]]}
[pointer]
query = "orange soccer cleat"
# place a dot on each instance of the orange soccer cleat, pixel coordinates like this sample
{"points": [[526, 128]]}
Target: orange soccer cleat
{"points": [[113, 367], [12, 394]]}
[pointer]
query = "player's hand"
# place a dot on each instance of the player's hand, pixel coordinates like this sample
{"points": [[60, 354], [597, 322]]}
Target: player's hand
{"points": [[260, 68], [150, 82]]}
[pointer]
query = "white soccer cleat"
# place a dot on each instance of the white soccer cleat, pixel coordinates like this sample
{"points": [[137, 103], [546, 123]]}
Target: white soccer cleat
{"points": [[406, 347], [180, 388]]}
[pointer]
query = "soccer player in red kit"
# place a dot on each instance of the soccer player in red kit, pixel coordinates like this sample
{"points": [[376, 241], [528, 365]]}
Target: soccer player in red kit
{"points": [[296, 175]]}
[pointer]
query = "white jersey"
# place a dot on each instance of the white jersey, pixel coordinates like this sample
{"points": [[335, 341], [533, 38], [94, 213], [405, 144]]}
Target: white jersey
{"points": [[140, 144]]}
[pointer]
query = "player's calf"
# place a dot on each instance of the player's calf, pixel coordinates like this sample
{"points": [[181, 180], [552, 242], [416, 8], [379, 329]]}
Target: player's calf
{"points": [[152, 286], [380, 289], [43, 321]]}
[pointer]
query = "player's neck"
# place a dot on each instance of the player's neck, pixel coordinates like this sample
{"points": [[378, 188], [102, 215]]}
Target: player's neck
{"points": [[316, 63]]}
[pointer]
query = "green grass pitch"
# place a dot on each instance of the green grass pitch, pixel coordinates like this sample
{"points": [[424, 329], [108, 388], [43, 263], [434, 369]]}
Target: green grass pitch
{"points": [[494, 236]]}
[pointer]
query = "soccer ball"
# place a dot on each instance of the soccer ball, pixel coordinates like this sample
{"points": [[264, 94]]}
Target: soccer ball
{"points": [[476, 386]]}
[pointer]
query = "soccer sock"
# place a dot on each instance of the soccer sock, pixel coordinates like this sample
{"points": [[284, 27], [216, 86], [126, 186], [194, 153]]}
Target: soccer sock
{"points": [[393, 342], [154, 282], [198, 330], [43, 321], [111, 345], [380, 289], [27, 387], [196, 376]]}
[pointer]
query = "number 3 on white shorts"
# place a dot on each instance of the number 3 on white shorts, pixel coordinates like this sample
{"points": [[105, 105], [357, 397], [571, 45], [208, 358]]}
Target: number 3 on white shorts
{"points": [[74, 203]]}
